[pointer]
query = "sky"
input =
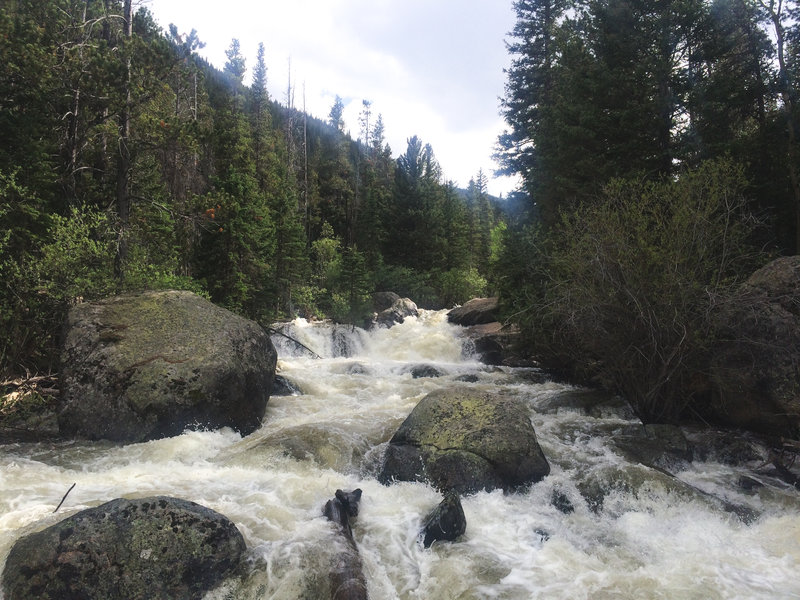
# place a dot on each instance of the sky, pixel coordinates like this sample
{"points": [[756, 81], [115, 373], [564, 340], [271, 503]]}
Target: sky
{"points": [[431, 68]]}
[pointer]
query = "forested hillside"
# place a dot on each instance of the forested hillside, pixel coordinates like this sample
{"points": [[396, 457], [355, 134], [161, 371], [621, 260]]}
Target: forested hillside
{"points": [[127, 163]]}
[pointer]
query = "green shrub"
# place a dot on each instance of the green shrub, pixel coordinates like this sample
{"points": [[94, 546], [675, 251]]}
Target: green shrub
{"points": [[456, 286], [627, 286]]}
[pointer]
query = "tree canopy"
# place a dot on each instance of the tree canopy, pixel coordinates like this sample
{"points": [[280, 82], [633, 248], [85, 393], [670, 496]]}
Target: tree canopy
{"points": [[130, 163]]}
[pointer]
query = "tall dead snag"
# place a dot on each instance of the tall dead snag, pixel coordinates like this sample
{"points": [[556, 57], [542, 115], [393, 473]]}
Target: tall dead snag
{"points": [[123, 199]]}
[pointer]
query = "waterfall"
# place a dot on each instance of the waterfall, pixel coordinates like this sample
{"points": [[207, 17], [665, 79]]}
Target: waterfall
{"points": [[649, 536]]}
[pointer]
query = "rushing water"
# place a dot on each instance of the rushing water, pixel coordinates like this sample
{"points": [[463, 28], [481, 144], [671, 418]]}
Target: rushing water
{"points": [[650, 540]]}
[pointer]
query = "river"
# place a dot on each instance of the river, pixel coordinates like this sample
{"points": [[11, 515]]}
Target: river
{"points": [[646, 541]]}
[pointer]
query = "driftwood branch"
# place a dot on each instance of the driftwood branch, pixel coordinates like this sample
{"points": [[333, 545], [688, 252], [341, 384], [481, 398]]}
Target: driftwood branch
{"points": [[64, 498], [272, 330]]}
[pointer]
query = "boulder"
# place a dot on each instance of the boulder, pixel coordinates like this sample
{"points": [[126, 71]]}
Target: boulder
{"points": [[496, 344], [147, 366], [397, 313], [755, 367], [383, 300], [419, 371], [446, 522], [156, 547], [477, 311], [659, 446], [467, 441]]}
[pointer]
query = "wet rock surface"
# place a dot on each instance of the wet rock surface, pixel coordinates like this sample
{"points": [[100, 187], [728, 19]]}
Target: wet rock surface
{"points": [[346, 576], [398, 312], [446, 522], [157, 547]]}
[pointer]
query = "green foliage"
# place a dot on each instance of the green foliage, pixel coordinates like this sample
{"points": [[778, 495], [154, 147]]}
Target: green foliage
{"points": [[601, 89], [78, 262], [408, 283], [456, 286], [627, 287], [134, 145]]}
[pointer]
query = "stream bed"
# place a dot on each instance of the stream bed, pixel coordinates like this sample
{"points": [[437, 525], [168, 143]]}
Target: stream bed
{"points": [[599, 526]]}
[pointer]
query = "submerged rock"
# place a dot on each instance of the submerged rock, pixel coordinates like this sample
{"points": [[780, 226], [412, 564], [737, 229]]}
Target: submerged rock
{"points": [[147, 366], [281, 386], [422, 370], [585, 401], [467, 441], [328, 446], [446, 522], [661, 446], [156, 547]]}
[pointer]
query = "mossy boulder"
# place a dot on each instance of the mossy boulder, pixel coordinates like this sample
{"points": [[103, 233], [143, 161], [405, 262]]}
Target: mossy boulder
{"points": [[467, 441], [146, 366], [156, 547]]}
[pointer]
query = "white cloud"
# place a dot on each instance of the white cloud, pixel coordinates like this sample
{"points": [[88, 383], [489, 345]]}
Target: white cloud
{"points": [[432, 68]]}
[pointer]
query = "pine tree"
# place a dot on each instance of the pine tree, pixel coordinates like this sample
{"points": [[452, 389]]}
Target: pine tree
{"points": [[235, 68]]}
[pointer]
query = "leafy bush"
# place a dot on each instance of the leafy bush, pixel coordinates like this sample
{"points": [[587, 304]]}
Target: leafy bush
{"points": [[456, 286], [628, 286]]}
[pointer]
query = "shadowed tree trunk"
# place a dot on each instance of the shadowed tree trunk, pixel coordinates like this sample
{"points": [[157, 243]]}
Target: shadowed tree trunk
{"points": [[124, 156]]}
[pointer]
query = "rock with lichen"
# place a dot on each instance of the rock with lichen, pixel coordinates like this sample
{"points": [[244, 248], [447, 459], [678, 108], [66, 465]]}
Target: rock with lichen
{"points": [[464, 440], [150, 365], [156, 547]]}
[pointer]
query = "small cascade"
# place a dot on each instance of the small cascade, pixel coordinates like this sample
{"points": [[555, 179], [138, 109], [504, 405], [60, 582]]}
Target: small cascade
{"points": [[300, 337]]}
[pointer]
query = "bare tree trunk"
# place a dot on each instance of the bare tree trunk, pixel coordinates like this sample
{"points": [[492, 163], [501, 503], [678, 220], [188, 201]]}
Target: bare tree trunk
{"points": [[124, 157], [306, 220]]}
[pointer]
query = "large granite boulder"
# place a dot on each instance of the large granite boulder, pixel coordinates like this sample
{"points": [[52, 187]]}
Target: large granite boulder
{"points": [[755, 368], [146, 366], [126, 550], [477, 311], [466, 440]]}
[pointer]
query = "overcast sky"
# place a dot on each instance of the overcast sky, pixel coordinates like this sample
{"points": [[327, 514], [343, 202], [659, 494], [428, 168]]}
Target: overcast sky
{"points": [[432, 68]]}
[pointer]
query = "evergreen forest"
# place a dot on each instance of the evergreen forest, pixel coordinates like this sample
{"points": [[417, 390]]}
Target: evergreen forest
{"points": [[129, 163], [656, 141]]}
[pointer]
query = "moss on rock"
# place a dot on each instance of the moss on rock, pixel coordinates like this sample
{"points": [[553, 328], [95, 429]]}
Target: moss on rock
{"points": [[466, 440], [149, 365]]}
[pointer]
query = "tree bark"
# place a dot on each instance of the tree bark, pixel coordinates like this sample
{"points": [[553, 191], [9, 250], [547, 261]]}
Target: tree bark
{"points": [[124, 157]]}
